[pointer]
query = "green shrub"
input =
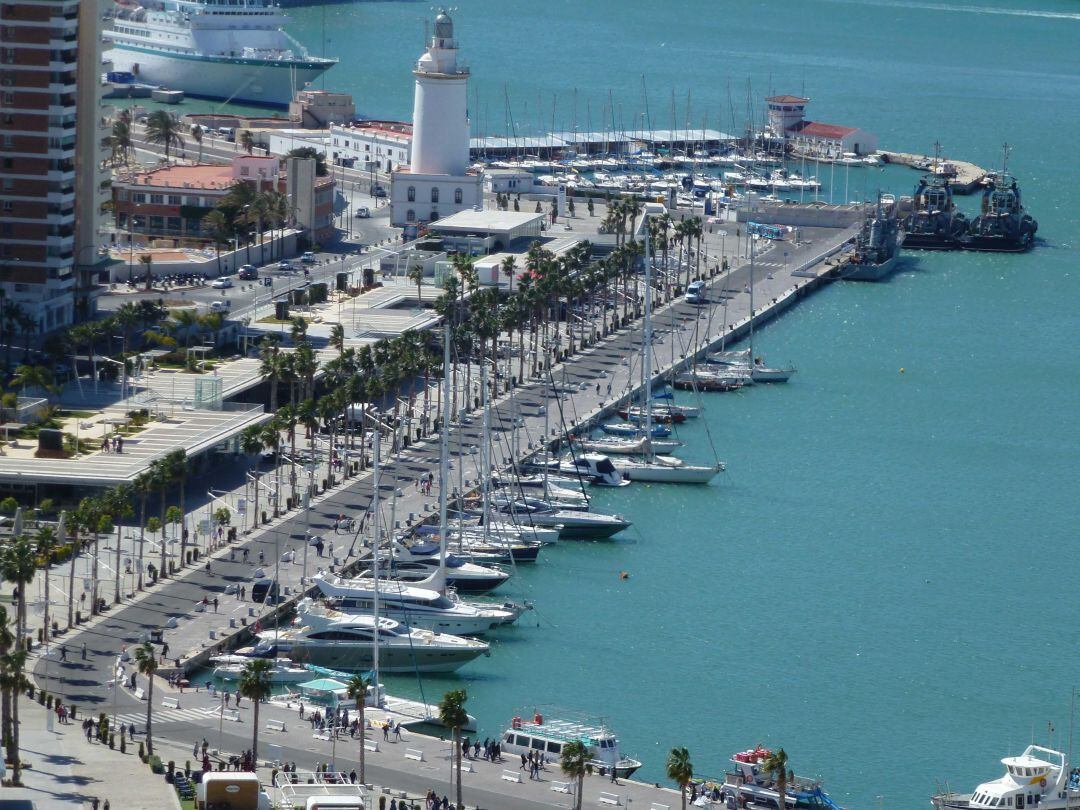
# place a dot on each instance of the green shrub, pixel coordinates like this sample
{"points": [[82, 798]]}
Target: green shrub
{"points": [[8, 506], [142, 751], [155, 764]]}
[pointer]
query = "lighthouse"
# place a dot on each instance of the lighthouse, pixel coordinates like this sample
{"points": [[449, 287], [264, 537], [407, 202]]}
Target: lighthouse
{"points": [[438, 181]]}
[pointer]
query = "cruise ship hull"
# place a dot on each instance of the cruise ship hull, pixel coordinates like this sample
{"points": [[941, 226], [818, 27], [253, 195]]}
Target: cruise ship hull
{"points": [[250, 81]]}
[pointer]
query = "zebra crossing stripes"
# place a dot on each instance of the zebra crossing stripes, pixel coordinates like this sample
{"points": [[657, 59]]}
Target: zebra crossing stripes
{"points": [[170, 716]]}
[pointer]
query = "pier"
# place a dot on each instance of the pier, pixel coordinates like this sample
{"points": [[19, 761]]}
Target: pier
{"points": [[968, 177]]}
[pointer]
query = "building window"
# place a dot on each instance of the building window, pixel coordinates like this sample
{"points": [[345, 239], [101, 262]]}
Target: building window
{"points": [[174, 223], [156, 223], [435, 195], [410, 215], [121, 195], [174, 199], [139, 198], [411, 195], [244, 171], [457, 196], [156, 199]]}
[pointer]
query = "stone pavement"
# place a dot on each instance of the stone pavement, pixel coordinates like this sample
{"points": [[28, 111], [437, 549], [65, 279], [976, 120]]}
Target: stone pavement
{"points": [[66, 772]]}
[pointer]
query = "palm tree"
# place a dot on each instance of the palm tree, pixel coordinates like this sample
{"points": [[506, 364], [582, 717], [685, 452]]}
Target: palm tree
{"points": [[453, 716], [573, 761], [247, 141], [415, 273], [143, 485], [337, 338], [197, 136], [12, 682], [254, 684], [146, 663], [680, 770], [18, 564], [117, 503], [217, 226], [120, 142], [251, 443], [7, 678], [357, 690], [776, 764], [46, 542], [147, 261], [162, 127]]}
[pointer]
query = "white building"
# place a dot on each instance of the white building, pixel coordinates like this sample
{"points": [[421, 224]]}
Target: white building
{"points": [[382, 146], [509, 181], [787, 120], [437, 181]]}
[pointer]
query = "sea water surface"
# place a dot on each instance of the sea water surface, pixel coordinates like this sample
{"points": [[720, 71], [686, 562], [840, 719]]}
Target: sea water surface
{"points": [[884, 582]]}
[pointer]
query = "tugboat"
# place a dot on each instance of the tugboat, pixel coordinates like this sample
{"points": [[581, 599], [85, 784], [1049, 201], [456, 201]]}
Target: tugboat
{"points": [[1003, 226], [934, 223], [877, 247], [1039, 777]]}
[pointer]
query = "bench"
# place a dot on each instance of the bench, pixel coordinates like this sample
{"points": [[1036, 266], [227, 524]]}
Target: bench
{"points": [[170, 703], [231, 716], [371, 745], [139, 693], [608, 798], [560, 787], [275, 725], [414, 754], [657, 806], [512, 776]]}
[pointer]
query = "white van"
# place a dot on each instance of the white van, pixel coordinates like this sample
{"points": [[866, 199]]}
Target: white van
{"points": [[695, 293], [223, 306]]}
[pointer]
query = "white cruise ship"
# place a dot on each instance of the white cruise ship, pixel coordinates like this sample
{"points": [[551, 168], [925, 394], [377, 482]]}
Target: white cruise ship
{"points": [[236, 50]]}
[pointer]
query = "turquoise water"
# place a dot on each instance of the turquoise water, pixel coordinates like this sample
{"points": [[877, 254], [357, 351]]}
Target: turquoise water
{"points": [[884, 581]]}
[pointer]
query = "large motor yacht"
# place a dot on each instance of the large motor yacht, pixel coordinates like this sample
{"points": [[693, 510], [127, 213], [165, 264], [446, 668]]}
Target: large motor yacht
{"points": [[235, 50], [412, 605], [344, 641]]}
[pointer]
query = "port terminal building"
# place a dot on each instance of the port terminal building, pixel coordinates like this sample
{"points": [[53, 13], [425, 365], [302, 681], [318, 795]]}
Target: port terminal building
{"points": [[787, 122]]}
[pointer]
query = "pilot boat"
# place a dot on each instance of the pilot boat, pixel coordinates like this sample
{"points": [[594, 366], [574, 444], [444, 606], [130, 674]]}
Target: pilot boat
{"points": [[1039, 777]]}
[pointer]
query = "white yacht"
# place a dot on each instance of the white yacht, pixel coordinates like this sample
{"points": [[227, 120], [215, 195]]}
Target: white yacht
{"points": [[235, 50], [413, 605], [231, 667], [330, 638], [1039, 777], [419, 559], [549, 735]]}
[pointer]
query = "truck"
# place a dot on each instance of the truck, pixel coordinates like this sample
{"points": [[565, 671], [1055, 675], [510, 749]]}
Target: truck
{"points": [[234, 790]]}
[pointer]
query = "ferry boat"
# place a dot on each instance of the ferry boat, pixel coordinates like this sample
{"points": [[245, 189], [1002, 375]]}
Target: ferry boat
{"points": [[1002, 226], [549, 736], [747, 785], [934, 223], [1039, 777], [877, 248], [235, 50]]}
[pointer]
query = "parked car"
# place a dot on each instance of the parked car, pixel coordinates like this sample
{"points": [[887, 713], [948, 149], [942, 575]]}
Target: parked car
{"points": [[308, 257], [695, 293], [248, 272], [222, 283], [362, 212], [378, 191], [220, 306], [286, 265]]}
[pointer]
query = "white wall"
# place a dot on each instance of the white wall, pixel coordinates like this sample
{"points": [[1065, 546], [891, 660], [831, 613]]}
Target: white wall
{"points": [[424, 210], [440, 126]]}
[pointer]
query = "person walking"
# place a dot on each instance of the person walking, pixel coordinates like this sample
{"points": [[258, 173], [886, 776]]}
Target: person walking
{"points": [[63, 652], [84, 651]]}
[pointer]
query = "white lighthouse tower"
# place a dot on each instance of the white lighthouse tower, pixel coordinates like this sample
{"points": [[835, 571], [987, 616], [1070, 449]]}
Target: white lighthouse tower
{"points": [[437, 183]]}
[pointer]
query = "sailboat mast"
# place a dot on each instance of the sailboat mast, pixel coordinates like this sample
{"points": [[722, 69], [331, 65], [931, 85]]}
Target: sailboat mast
{"points": [[375, 538], [750, 237], [444, 451], [485, 450], [647, 358]]}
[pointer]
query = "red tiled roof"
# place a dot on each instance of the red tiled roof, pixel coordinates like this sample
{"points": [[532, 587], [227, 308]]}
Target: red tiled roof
{"points": [[818, 130], [787, 99]]}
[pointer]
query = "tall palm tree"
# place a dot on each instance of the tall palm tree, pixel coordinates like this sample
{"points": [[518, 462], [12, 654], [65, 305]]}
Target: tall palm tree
{"points": [[247, 141], [142, 485], [117, 503], [573, 761], [251, 443], [337, 338], [146, 663], [18, 564], [357, 690], [776, 764], [120, 142], [254, 684], [12, 681], [680, 770], [453, 716], [219, 229], [7, 677], [147, 261], [45, 544], [197, 136], [163, 128]]}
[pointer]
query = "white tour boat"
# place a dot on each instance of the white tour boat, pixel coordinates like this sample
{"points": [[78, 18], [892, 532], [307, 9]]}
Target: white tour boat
{"points": [[1039, 777], [549, 736]]}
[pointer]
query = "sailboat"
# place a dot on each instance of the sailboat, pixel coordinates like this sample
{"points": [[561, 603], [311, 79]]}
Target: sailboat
{"points": [[650, 468]]}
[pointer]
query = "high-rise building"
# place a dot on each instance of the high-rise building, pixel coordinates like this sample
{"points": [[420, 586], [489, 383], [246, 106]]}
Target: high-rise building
{"points": [[53, 139], [437, 181]]}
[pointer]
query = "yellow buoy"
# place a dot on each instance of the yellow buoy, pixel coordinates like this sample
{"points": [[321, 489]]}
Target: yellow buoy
{"points": [[901, 369]]}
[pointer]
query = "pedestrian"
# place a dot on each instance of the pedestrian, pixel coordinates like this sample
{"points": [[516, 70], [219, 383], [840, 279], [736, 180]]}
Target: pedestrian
{"points": [[397, 730], [205, 746], [238, 700], [614, 779], [63, 652], [598, 389], [245, 554], [226, 693], [243, 592], [524, 762], [301, 710], [262, 558], [215, 604], [84, 651], [330, 552], [165, 649], [211, 573], [386, 731], [94, 801], [119, 449], [352, 777], [106, 805], [393, 804]]}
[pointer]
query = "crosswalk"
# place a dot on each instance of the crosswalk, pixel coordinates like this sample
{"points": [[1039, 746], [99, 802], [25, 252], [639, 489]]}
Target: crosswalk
{"points": [[194, 715]]}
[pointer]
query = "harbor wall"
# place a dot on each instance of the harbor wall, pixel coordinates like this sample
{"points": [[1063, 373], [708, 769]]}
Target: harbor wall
{"points": [[811, 215]]}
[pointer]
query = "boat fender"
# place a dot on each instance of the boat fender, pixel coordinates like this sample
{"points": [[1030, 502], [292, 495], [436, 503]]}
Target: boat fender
{"points": [[1042, 782]]}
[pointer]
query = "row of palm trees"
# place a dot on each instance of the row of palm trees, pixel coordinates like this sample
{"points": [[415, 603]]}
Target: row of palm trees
{"points": [[244, 214]]}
